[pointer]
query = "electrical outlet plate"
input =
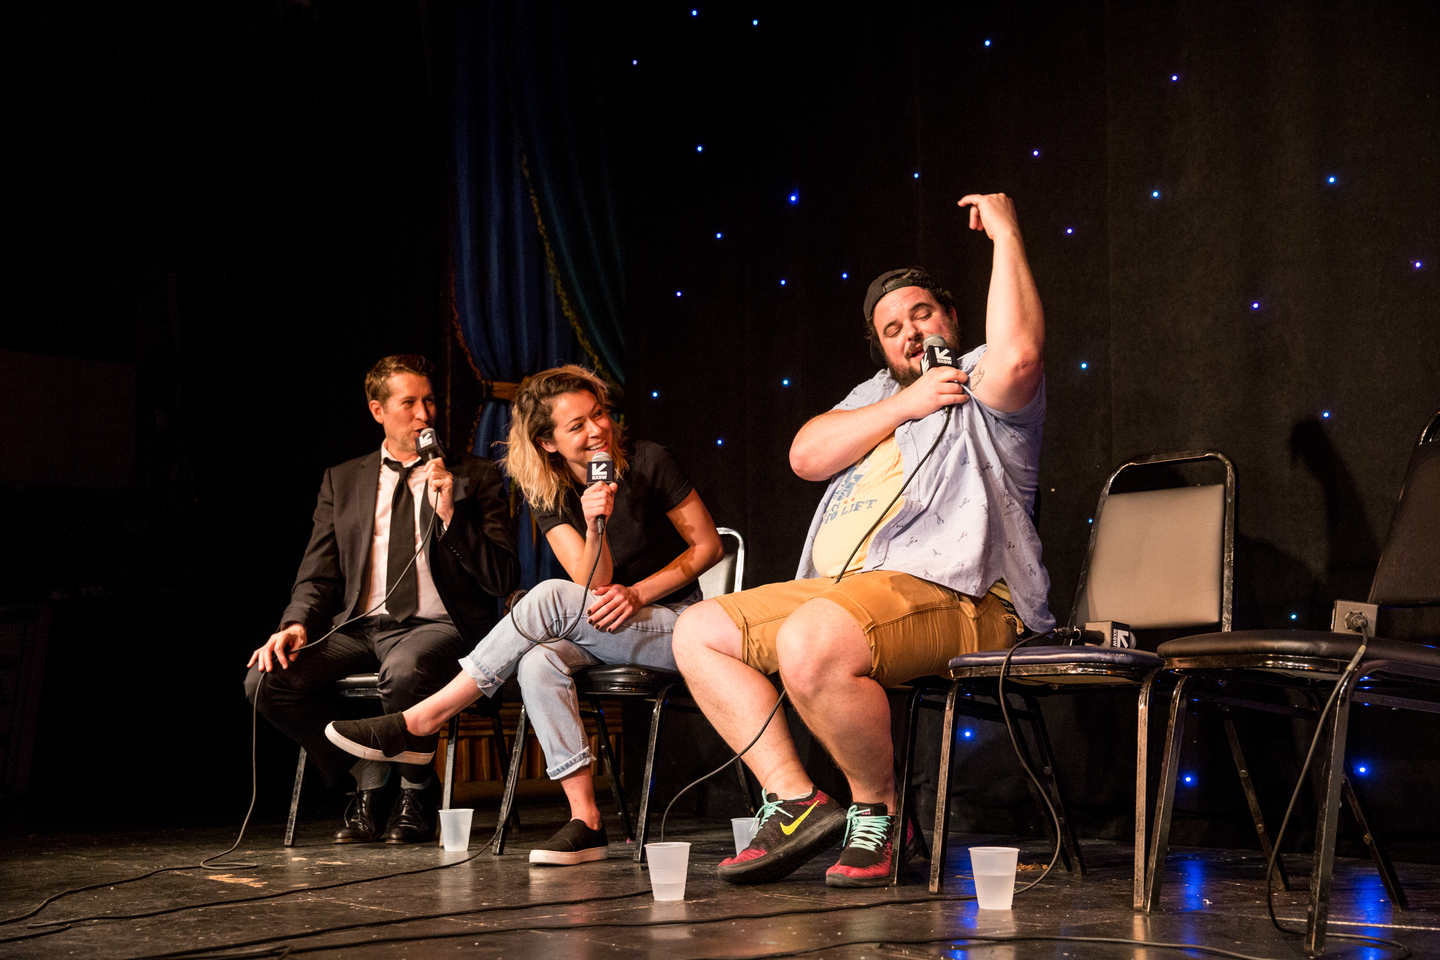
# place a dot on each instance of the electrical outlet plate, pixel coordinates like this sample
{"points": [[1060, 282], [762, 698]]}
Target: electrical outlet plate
{"points": [[1352, 617]]}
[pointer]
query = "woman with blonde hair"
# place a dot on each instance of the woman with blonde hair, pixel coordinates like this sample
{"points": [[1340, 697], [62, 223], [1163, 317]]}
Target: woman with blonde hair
{"points": [[639, 543]]}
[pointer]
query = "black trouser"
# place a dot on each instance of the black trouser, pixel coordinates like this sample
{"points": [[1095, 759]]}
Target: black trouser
{"points": [[414, 659]]}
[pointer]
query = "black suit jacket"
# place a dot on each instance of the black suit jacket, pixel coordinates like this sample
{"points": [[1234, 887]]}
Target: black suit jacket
{"points": [[472, 563]]}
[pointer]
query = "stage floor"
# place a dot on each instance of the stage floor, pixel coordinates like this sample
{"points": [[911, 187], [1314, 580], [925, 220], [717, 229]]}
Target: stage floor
{"points": [[503, 907]]}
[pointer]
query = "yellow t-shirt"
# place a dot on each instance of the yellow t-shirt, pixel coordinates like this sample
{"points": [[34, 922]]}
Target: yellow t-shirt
{"points": [[866, 489]]}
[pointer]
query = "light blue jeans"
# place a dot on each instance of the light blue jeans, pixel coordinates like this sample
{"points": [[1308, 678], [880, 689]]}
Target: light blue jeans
{"points": [[544, 669]]}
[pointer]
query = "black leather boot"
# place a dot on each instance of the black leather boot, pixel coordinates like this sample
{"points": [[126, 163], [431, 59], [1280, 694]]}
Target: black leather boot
{"points": [[365, 816]]}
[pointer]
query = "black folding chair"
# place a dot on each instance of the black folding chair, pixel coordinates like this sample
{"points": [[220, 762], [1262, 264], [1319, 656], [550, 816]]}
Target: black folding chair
{"points": [[1159, 559], [626, 681], [366, 686], [1248, 668]]}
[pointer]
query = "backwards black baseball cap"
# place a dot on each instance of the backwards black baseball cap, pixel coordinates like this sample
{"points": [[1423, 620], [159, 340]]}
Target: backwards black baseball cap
{"points": [[892, 280]]}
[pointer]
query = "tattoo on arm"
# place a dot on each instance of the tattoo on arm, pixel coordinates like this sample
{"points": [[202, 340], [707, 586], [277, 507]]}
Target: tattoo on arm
{"points": [[976, 377]]}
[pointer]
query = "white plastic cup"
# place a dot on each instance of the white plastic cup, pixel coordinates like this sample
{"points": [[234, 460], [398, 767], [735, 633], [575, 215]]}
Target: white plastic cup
{"points": [[744, 830], [669, 863], [455, 828], [994, 872]]}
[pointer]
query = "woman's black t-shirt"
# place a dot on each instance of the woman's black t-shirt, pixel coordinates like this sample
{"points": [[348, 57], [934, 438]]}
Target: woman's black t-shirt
{"points": [[642, 538]]}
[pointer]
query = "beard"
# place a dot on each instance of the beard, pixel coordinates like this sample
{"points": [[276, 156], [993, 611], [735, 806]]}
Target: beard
{"points": [[907, 375]]}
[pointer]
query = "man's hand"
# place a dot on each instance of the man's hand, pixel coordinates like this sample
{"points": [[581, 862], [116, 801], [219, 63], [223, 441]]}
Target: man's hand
{"points": [[992, 212], [617, 604], [440, 489], [938, 387], [281, 646], [598, 500]]}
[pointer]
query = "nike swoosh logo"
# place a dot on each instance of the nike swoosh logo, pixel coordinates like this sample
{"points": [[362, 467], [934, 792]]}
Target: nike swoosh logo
{"points": [[788, 829]]}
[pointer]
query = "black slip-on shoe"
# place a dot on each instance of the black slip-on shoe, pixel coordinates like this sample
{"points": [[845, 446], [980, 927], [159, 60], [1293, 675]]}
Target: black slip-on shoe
{"points": [[382, 738]]}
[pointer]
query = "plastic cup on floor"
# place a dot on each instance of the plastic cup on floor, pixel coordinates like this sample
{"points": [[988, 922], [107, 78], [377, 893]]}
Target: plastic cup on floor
{"points": [[669, 862], [744, 830], [994, 872], [455, 828]]}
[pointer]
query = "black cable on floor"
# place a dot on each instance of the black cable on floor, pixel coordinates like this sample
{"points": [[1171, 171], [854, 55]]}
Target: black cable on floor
{"points": [[291, 949]]}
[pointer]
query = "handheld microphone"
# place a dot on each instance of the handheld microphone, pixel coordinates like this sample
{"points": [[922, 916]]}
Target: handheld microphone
{"points": [[428, 446], [937, 354], [600, 469]]}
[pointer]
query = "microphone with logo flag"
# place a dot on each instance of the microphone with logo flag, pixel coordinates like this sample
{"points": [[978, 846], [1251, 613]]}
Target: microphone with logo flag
{"points": [[601, 469], [428, 445], [937, 354]]}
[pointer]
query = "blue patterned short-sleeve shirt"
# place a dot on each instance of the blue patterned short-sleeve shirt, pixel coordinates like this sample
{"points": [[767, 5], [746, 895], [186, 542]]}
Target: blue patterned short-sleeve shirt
{"points": [[966, 520]]}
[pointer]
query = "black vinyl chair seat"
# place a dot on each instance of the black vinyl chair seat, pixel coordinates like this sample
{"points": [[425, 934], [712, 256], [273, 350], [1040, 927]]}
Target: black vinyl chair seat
{"points": [[1059, 664], [1288, 645], [625, 680]]}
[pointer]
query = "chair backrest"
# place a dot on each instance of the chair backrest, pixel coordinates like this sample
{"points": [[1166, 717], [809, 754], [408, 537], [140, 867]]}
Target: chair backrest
{"points": [[727, 575], [1161, 558], [1409, 570]]}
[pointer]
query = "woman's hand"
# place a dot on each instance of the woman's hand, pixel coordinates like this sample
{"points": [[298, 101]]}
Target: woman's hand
{"points": [[597, 501], [616, 604]]}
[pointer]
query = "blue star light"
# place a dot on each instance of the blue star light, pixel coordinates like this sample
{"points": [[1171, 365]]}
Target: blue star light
{"points": [[794, 198]]}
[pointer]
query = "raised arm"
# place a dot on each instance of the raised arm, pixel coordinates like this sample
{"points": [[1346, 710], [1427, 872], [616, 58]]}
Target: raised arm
{"points": [[1010, 372]]}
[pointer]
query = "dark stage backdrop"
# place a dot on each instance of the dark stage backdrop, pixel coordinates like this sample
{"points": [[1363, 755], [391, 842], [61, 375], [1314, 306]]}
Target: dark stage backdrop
{"points": [[230, 209], [1230, 211]]}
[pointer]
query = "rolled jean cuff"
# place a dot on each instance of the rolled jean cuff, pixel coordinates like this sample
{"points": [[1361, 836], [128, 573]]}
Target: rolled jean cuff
{"points": [[571, 765], [484, 679]]}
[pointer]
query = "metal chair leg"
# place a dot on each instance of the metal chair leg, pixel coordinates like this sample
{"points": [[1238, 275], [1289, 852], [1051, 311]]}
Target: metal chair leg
{"points": [[745, 790], [502, 762], [1256, 815], [1326, 822], [1068, 842], [1142, 783], [295, 800], [647, 785], [941, 841], [512, 779], [452, 737], [1378, 853], [1165, 796], [607, 757], [902, 783]]}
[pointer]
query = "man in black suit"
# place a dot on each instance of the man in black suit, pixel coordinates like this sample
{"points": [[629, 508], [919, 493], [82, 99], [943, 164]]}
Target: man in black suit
{"points": [[407, 613]]}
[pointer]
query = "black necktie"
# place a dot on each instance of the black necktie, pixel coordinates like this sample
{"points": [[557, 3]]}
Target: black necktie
{"points": [[404, 597]]}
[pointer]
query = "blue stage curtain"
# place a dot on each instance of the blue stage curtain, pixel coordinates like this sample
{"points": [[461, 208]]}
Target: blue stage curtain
{"points": [[537, 278]]}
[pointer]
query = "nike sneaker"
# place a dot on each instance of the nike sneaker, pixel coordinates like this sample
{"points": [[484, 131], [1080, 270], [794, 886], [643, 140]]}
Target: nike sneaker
{"points": [[790, 832]]}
